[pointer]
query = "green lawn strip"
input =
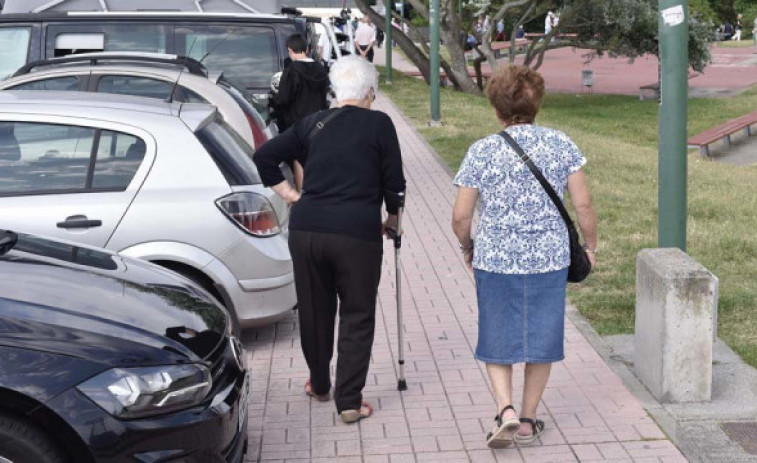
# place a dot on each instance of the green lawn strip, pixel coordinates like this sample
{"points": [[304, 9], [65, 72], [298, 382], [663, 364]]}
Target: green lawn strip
{"points": [[736, 44], [618, 134]]}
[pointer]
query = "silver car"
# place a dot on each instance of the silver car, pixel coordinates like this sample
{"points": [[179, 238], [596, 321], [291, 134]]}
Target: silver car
{"points": [[151, 75], [171, 183]]}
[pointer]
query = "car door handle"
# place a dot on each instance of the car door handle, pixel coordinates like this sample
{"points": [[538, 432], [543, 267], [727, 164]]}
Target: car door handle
{"points": [[79, 221]]}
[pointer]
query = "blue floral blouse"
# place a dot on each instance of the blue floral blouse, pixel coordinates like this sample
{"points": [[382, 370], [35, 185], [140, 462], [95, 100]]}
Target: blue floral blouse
{"points": [[520, 230]]}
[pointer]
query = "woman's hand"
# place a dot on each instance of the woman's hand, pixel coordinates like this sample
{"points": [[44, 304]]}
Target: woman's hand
{"points": [[592, 259], [286, 192], [389, 223], [468, 258]]}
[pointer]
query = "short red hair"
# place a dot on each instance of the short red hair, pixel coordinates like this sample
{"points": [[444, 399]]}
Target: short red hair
{"points": [[516, 93]]}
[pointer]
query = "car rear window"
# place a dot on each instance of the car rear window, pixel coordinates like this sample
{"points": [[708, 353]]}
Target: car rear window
{"points": [[240, 94], [14, 49], [245, 54], [231, 153]]}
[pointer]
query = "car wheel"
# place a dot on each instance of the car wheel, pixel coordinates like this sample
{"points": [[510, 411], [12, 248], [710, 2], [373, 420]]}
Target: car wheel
{"points": [[22, 442]]}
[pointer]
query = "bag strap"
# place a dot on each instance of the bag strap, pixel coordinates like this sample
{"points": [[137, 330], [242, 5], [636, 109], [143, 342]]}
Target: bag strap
{"points": [[540, 177], [321, 124]]}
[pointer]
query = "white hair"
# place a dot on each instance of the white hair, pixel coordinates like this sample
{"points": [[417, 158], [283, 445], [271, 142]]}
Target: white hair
{"points": [[352, 77]]}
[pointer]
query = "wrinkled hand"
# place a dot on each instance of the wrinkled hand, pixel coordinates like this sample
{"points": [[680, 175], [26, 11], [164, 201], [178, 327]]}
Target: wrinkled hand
{"points": [[592, 259], [390, 222], [468, 259], [293, 198]]}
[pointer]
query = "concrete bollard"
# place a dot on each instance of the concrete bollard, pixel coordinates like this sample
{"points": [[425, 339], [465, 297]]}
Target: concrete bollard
{"points": [[676, 304]]}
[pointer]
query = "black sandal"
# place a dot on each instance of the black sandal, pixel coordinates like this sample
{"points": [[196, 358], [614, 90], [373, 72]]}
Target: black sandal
{"points": [[502, 434], [537, 427]]}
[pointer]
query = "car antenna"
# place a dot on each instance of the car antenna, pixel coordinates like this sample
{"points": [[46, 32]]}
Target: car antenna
{"points": [[214, 48], [178, 78]]}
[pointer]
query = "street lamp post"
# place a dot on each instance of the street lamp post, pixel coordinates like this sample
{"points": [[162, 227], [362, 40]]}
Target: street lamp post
{"points": [[434, 62], [388, 41], [673, 36]]}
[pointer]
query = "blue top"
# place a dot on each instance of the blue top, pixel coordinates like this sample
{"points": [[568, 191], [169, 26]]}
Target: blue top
{"points": [[520, 230]]}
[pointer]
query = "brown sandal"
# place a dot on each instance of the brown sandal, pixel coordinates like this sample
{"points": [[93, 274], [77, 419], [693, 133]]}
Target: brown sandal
{"points": [[353, 416], [318, 397]]}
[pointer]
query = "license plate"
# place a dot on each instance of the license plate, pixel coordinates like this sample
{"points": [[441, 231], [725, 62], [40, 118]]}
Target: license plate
{"points": [[243, 400]]}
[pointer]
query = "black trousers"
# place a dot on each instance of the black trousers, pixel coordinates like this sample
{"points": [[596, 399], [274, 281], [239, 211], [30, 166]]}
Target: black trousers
{"points": [[327, 268], [369, 55]]}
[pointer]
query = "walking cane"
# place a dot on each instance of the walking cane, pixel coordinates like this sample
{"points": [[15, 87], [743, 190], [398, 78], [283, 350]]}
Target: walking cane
{"points": [[396, 236]]}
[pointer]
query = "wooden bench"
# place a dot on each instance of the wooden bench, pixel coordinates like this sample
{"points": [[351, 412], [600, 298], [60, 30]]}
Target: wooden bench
{"points": [[502, 49], [722, 131]]}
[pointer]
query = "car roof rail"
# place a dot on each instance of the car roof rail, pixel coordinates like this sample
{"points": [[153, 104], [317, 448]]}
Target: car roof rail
{"points": [[190, 64]]}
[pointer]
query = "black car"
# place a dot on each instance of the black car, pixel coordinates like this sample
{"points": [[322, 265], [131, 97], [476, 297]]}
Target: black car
{"points": [[248, 48], [109, 359]]}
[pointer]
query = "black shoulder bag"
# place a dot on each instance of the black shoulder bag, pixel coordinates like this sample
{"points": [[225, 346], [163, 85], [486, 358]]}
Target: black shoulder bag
{"points": [[580, 266]]}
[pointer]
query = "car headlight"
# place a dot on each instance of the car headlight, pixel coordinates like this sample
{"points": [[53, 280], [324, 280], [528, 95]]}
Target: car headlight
{"points": [[140, 392]]}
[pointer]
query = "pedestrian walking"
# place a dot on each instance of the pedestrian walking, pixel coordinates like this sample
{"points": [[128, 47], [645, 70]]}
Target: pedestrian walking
{"points": [[727, 31], [352, 163], [500, 31], [754, 33], [520, 255], [365, 38], [739, 26], [303, 85], [549, 22]]}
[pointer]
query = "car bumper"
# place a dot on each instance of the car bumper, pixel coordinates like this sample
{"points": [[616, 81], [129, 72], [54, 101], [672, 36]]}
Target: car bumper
{"points": [[214, 433], [255, 306]]}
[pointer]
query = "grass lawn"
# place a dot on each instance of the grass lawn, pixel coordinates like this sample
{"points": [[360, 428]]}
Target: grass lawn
{"points": [[618, 134], [736, 44]]}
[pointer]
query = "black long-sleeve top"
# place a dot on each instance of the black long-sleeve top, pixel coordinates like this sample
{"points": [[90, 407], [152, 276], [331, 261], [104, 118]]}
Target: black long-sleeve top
{"points": [[350, 164]]}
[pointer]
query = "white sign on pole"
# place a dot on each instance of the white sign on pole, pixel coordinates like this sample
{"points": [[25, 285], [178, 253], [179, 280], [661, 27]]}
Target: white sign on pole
{"points": [[673, 16]]}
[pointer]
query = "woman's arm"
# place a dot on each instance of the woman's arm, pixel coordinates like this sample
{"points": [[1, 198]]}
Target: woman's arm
{"points": [[578, 187], [284, 148], [299, 175], [462, 220]]}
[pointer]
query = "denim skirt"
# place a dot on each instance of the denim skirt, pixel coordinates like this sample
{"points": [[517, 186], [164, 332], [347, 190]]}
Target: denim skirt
{"points": [[521, 318]]}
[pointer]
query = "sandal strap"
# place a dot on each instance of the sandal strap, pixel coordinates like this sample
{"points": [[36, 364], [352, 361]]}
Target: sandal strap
{"points": [[498, 418], [538, 425]]}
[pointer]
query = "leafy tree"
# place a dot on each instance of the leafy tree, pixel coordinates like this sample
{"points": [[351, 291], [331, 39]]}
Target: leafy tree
{"points": [[625, 28]]}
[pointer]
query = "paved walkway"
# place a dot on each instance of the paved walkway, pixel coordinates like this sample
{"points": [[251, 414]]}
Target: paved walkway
{"points": [[448, 408]]}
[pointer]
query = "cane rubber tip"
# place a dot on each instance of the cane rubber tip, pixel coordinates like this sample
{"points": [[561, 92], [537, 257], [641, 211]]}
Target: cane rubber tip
{"points": [[402, 385]]}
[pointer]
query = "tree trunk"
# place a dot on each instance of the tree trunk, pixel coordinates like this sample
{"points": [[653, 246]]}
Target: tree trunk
{"points": [[419, 59]]}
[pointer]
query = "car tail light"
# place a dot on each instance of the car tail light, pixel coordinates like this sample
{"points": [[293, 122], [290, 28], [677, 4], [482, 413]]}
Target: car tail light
{"points": [[252, 212], [258, 135]]}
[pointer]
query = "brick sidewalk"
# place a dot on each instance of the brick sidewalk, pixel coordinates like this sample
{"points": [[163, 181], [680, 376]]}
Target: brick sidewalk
{"points": [[448, 408]]}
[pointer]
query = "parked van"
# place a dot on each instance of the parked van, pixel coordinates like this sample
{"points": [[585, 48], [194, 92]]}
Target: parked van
{"points": [[248, 48]]}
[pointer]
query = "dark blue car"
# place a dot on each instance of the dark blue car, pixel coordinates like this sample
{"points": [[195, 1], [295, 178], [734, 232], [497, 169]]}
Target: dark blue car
{"points": [[108, 359]]}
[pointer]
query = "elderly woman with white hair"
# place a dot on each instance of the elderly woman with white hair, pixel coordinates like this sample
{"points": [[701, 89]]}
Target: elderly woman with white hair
{"points": [[352, 162]]}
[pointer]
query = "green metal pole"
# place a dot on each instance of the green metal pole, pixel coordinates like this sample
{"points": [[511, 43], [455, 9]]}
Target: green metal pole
{"points": [[674, 46], [434, 62], [388, 41]]}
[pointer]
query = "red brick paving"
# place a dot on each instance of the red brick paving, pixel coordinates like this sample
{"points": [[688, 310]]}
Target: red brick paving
{"points": [[448, 408], [732, 70]]}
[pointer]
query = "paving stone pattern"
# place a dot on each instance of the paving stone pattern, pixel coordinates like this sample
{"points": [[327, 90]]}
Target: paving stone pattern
{"points": [[449, 407]]}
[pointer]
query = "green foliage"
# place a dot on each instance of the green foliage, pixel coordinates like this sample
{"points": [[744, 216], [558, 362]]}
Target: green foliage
{"points": [[630, 28], [704, 10]]}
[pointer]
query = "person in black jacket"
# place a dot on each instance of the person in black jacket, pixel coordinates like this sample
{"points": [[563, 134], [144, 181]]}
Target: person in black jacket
{"points": [[303, 86], [352, 161]]}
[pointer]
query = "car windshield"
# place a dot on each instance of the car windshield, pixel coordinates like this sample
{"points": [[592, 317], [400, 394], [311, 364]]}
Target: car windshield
{"points": [[14, 49], [247, 54], [230, 152]]}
